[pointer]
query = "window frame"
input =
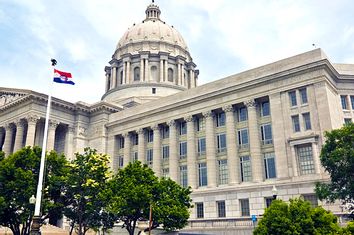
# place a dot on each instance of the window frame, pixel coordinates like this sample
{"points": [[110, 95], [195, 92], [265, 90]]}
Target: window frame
{"points": [[199, 206], [182, 128], [221, 142], [295, 120], [220, 119], [244, 207], [221, 208], [182, 149], [240, 135], [266, 141], [307, 121], [267, 157], [223, 172], [202, 174], [165, 152], [306, 163], [245, 168], [149, 156], [303, 95], [242, 116], [265, 111], [292, 98], [183, 180], [201, 146]]}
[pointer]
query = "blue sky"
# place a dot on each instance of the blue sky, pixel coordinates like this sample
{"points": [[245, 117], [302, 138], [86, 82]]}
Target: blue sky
{"points": [[224, 37]]}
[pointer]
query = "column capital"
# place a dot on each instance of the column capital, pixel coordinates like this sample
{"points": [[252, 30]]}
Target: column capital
{"points": [[155, 127], [32, 119], [171, 123], [19, 123], [53, 124], [228, 108], [250, 103], [141, 131], [208, 114], [126, 134], [71, 128], [9, 126], [189, 118]]}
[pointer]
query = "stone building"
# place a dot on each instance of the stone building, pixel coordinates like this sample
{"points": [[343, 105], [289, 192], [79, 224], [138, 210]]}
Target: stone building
{"points": [[231, 140]]}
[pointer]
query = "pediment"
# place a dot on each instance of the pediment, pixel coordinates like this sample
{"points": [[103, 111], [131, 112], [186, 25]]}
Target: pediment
{"points": [[9, 96]]}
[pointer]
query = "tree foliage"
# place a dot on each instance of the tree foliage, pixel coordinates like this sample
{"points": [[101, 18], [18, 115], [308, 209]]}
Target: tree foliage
{"points": [[337, 157], [18, 182], [296, 218], [135, 188]]}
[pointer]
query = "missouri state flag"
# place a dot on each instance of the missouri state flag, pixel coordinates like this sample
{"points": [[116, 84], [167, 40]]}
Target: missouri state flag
{"points": [[62, 77]]}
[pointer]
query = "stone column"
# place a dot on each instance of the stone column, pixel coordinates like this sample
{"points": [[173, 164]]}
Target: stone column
{"points": [[232, 155], [210, 147], [69, 143], [173, 159], [165, 70], [178, 74], [124, 79], [156, 164], [128, 73], [51, 134], [294, 162], [107, 82], [255, 144], [7, 148], [191, 153], [31, 129], [141, 145], [142, 79], [127, 146], [114, 77], [182, 76], [147, 71], [20, 125], [161, 70]]}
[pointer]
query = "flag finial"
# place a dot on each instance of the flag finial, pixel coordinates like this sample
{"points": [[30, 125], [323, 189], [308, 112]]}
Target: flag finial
{"points": [[54, 62]]}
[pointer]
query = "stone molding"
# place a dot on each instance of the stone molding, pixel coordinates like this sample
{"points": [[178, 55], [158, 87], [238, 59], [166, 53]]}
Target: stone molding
{"points": [[32, 119], [53, 124]]}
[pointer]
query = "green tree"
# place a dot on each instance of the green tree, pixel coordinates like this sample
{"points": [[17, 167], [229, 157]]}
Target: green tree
{"points": [[135, 188], [296, 218], [337, 157], [18, 182], [84, 192]]}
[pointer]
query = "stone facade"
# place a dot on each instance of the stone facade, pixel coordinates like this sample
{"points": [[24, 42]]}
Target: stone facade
{"points": [[231, 140]]}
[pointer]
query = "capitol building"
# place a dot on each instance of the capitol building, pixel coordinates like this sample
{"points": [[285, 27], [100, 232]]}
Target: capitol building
{"points": [[234, 140]]}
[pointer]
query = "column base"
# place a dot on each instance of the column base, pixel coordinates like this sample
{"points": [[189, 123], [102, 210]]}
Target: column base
{"points": [[36, 225]]}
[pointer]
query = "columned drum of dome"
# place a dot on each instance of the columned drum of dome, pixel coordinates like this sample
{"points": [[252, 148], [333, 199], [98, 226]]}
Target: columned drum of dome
{"points": [[151, 61]]}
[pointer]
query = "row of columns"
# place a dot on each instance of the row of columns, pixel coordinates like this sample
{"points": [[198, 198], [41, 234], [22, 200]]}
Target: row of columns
{"points": [[211, 160]]}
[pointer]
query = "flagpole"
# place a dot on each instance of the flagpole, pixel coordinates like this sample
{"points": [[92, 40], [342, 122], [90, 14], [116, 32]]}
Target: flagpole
{"points": [[35, 229]]}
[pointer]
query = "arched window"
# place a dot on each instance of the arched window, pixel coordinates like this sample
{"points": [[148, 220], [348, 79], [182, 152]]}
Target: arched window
{"points": [[121, 77], [136, 74], [153, 73], [170, 75]]}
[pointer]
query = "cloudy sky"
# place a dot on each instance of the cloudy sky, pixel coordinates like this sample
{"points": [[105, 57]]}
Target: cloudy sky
{"points": [[224, 37]]}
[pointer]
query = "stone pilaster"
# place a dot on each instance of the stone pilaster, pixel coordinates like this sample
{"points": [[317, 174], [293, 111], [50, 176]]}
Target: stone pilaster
{"points": [[114, 77], [147, 70], [255, 144], [69, 143], [182, 76], [141, 145], [51, 134], [165, 70], [7, 148], [232, 155], [31, 129], [294, 162], [316, 158], [20, 126], [128, 73], [178, 74], [161, 70], [127, 146], [156, 164], [210, 147], [191, 153], [173, 159], [124, 79], [142, 79]]}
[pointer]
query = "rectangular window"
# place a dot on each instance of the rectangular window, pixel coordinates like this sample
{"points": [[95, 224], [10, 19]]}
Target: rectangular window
{"points": [[183, 176], [201, 146], [182, 150], [266, 133], [120, 161], [221, 208], [245, 165], [200, 124], [202, 170], [343, 99], [243, 138], [307, 121], [182, 128], [347, 120], [200, 209], [312, 198], [150, 136], [352, 101], [242, 114], [303, 95], [166, 172], [305, 159], [135, 139], [220, 119], [268, 201], [153, 90], [245, 207], [221, 141], [265, 110], [121, 142], [296, 123], [149, 156], [223, 172], [165, 132], [292, 98], [165, 152], [269, 165], [134, 156]]}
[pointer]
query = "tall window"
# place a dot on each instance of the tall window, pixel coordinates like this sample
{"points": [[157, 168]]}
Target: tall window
{"points": [[292, 98], [136, 74], [347, 120], [149, 156], [183, 176], [303, 95], [242, 114], [150, 136], [135, 139], [265, 110], [166, 172], [170, 75], [201, 146], [269, 165], [243, 138], [343, 99], [134, 156], [120, 161], [223, 172], [221, 141], [245, 165], [182, 128], [352, 101], [305, 158], [268, 201], [200, 209], [296, 123], [165, 132], [245, 207], [312, 198], [221, 208], [220, 119], [182, 150], [121, 142], [202, 170], [266, 132], [200, 124], [165, 152], [307, 121]]}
